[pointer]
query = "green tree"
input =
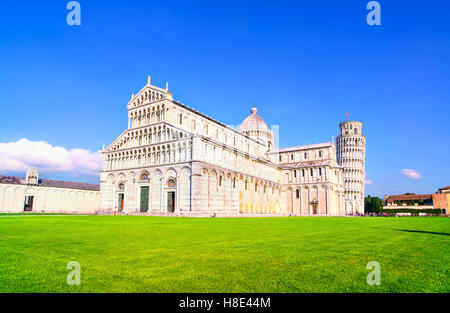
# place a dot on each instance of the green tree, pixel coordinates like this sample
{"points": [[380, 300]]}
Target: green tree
{"points": [[420, 202], [368, 204], [399, 203], [373, 204], [377, 204]]}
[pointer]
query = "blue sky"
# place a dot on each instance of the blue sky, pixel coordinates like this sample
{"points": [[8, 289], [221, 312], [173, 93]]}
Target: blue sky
{"points": [[303, 63]]}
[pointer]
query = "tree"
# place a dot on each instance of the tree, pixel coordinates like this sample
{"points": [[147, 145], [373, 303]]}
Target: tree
{"points": [[377, 204], [420, 202], [373, 204], [399, 203], [368, 204]]}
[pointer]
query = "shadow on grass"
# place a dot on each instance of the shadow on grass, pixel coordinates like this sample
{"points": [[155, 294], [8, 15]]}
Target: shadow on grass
{"points": [[423, 232]]}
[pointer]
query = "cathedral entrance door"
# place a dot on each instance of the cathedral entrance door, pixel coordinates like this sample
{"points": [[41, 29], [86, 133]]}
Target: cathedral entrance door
{"points": [[314, 207], [121, 200], [144, 199], [28, 203], [171, 201]]}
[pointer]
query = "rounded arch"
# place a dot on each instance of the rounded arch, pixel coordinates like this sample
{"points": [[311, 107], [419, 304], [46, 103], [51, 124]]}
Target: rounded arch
{"points": [[185, 171], [144, 176], [131, 176], [111, 178], [157, 173], [121, 177], [170, 172]]}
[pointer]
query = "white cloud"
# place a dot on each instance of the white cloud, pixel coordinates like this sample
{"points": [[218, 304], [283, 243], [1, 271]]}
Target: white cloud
{"points": [[20, 155], [410, 173], [369, 182]]}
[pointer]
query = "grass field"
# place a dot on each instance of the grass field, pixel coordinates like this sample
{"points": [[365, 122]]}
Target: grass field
{"points": [[163, 254]]}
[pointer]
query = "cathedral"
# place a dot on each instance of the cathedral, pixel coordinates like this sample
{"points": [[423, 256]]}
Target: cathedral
{"points": [[174, 160]]}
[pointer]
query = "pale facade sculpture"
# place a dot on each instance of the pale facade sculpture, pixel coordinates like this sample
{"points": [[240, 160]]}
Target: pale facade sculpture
{"points": [[175, 160]]}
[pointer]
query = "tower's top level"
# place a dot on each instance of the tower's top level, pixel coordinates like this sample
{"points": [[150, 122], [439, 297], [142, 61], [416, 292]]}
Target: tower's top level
{"points": [[351, 128], [32, 177]]}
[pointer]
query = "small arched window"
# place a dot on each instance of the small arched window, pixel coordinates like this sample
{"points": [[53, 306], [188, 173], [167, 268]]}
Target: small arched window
{"points": [[181, 119], [234, 182], [220, 180], [297, 193], [320, 154]]}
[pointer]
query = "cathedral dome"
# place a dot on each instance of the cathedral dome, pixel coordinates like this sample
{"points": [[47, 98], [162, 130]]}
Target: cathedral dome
{"points": [[253, 123]]}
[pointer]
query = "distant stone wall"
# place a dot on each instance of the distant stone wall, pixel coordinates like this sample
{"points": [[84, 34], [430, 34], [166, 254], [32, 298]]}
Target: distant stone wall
{"points": [[441, 200], [48, 199]]}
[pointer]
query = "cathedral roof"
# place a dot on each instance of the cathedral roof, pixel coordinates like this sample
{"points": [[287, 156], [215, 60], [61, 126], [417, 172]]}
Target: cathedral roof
{"points": [[253, 122], [306, 164], [305, 147]]}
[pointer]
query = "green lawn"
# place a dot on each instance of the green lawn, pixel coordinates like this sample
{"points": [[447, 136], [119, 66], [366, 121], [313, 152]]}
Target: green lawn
{"points": [[163, 254]]}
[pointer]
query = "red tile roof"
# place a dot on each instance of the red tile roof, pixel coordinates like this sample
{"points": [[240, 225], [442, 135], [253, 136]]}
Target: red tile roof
{"points": [[50, 183], [407, 197], [11, 180]]}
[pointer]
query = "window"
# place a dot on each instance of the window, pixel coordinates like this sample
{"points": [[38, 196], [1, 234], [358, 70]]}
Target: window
{"points": [[303, 173], [245, 185], [234, 183], [292, 156], [311, 172], [320, 172], [280, 157], [297, 193], [220, 180], [181, 119], [306, 155], [256, 186], [320, 154], [295, 173], [206, 129], [193, 125]]}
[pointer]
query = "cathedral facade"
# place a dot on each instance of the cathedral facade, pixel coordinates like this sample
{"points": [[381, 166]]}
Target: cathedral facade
{"points": [[174, 160]]}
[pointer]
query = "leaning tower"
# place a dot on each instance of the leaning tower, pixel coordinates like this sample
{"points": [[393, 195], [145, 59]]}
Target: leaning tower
{"points": [[351, 155]]}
